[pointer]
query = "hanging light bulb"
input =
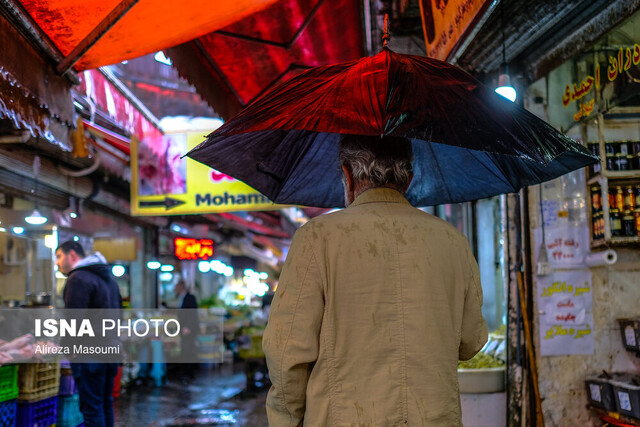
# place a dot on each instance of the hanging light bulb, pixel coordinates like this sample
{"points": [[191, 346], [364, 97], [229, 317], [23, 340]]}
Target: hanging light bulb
{"points": [[504, 84], [504, 81], [35, 218]]}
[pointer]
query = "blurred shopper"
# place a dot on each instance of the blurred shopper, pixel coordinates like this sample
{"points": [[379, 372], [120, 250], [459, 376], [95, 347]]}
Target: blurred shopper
{"points": [[90, 284], [189, 325], [376, 304]]}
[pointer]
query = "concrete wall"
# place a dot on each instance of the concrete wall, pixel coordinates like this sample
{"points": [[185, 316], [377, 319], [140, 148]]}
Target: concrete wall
{"points": [[616, 294]]}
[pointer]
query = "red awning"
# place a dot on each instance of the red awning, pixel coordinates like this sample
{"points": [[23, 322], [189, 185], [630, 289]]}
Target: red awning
{"points": [[92, 33], [232, 67]]}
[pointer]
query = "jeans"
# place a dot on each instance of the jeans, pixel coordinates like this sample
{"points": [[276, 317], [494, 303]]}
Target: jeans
{"points": [[95, 388]]}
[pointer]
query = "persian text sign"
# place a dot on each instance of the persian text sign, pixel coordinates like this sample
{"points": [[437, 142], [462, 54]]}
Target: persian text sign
{"points": [[193, 249], [566, 318], [445, 23], [618, 64], [164, 183]]}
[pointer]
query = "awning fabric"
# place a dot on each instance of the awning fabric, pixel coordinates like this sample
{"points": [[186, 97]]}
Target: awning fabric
{"points": [[233, 66], [148, 26]]}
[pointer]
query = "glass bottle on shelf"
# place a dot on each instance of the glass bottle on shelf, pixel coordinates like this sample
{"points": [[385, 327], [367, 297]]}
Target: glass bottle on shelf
{"points": [[629, 198], [619, 198], [628, 223], [616, 222]]}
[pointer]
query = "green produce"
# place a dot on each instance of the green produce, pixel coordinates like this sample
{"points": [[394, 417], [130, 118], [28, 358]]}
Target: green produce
{"points": [[481, 360]]}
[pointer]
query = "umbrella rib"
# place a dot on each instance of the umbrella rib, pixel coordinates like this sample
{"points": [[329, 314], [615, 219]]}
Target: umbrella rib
{"points": [[487, 155], [438, 170]]}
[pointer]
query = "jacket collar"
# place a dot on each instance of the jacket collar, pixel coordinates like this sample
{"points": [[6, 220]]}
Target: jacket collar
{"points": [[381, 194]]}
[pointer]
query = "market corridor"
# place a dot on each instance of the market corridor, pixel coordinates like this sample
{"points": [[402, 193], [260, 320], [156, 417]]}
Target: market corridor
{"points": [[216, 397]]}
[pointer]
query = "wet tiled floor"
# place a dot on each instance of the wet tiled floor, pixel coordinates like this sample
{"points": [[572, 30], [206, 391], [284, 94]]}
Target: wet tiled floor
{"points": [[217, 396]]}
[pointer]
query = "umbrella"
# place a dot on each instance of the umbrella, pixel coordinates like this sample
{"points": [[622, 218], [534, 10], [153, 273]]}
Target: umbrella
{"points": [[468, 142]]}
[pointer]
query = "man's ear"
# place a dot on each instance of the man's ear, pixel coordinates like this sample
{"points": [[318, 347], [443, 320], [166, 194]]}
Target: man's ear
{"points": [[348, 177]]}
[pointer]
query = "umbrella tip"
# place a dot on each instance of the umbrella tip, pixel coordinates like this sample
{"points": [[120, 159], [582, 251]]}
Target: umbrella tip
{"points": [[385, 34]]}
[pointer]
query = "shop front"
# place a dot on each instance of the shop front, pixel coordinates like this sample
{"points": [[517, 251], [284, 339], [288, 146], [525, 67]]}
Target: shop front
{"points": [[585, 238]]}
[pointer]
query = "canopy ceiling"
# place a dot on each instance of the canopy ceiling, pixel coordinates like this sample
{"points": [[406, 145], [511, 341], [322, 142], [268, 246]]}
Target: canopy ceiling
{"points": [[114, 30], [233, 66]]}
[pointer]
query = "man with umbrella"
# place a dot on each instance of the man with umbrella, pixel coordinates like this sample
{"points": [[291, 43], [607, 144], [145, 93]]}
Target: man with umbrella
{"points": [[376, 304]]}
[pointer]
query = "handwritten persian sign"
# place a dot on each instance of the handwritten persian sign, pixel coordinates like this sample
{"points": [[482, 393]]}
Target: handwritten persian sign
{"points": [[566, 317]]}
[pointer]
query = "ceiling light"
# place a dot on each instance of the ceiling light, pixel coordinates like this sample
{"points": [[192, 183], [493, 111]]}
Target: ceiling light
{"points": [[18, 230], [35, 218], [153, 265], [204, 266], [118, 270], [160, 57], [504, 84], [166, 267]]}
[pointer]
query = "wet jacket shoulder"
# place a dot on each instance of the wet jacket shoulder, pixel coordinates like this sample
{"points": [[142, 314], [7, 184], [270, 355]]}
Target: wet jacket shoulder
{"points": [[91, 285]]}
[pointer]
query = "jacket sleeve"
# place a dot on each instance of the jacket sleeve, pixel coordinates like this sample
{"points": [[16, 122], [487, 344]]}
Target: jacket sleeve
{"points": [[474, 329], [291, 339], [78, 291]]}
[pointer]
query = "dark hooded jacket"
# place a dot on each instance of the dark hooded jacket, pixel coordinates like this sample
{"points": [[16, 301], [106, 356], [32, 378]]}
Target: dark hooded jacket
{"points": [[91, 285]]}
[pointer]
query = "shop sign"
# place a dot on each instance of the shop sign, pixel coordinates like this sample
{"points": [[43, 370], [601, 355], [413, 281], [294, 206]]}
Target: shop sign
{"points": [[617, 64], [447, 23], [566, 317], [165, 183], [193, 249]]}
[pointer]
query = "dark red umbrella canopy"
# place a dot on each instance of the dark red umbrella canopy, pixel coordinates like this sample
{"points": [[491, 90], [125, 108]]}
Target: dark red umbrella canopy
{"points": [[287, 139]]}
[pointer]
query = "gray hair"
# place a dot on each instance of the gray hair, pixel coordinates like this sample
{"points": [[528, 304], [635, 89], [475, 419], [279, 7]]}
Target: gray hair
{"points": [[378, 161]]}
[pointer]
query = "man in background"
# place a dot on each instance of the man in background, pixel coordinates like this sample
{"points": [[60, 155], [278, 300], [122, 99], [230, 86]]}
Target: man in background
{"points": [[90, 285], [189, 325], [375, 305]]}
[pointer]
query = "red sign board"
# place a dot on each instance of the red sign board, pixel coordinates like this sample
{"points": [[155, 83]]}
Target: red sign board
{"points": [[193, 249]]}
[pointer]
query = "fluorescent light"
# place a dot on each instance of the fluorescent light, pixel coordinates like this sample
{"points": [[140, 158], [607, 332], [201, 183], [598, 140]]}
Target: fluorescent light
{"points": [[166, 267], [228, 271], [51, 241], [153, 265], [18, 230], [204, 266], [161, 58], [166, 276], [118, 270], [35, 218], [73, 214]]}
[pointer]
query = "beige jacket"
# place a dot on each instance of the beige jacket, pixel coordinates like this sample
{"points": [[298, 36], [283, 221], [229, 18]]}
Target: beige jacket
{"points": [[375, 305]]}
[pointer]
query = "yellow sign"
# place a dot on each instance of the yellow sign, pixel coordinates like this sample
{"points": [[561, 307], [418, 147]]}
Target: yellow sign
{"points": [[163, 183], [446, 23]]}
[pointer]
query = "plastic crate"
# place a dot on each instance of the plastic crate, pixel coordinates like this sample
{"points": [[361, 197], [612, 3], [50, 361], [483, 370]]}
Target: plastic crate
{"points": [[8, 382], [42, 413], [8, 413], [630, 329], [69, 414], [627, 397], [600, 393], [67, 386], [37, 381]]}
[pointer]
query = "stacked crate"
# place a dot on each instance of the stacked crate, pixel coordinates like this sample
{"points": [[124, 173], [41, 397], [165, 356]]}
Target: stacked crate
{"points": [[38, 385], [69, 414], [8, 394]]}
